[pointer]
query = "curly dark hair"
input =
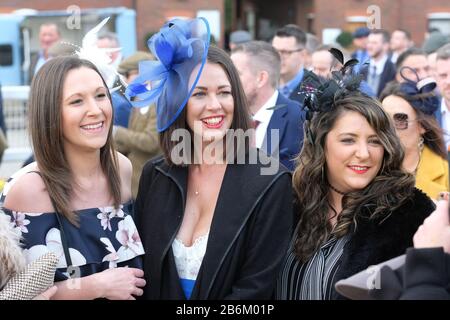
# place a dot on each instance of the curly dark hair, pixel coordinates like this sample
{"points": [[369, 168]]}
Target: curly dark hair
{"points": [[386, 192]]}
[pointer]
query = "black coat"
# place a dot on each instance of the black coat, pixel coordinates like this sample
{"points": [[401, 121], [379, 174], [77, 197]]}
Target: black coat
{"points": [[249, 233], [375, 241]]}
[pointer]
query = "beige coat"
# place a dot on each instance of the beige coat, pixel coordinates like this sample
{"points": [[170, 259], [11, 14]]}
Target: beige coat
{"points": [[139, 142]]}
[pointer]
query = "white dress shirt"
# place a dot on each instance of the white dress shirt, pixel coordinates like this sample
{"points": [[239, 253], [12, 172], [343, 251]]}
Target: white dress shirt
{"points": [[378, 64], [263, 116]]}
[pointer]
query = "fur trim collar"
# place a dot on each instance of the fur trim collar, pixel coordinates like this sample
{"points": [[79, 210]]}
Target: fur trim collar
{"points": [[12, 260], [376, 241]]}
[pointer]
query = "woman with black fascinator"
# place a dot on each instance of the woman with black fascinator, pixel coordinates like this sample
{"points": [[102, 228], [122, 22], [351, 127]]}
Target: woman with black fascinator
{"points": [[411, 106], [356, 205]]}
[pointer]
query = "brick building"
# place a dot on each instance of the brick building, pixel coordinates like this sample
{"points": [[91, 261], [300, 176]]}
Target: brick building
{"points": [[325, 17], [150, 14]]}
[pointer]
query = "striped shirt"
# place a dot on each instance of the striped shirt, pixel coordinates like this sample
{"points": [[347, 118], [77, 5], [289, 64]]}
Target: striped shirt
{"points": [[313, 280]]}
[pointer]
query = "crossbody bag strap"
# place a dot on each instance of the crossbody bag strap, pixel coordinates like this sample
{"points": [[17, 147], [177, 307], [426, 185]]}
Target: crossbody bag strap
{"points": [[63, 236]]}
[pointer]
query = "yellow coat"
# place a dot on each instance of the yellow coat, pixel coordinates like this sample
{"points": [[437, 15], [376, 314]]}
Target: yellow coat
{"points": [[432, 174]]}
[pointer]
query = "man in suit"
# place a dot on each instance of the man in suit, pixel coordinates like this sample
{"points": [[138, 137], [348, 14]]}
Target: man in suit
{"points": [[258, 64], [400, 42], [290, 42], [380, 69], [48, 35], [443, 81]]}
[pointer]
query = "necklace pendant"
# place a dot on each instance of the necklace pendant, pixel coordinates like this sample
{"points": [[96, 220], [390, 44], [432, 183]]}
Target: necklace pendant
{"points": [[196, 193]]}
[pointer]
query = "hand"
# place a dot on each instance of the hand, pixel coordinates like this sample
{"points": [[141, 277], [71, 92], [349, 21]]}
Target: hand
{"points": [[435, 230], [47, 294], [121, 283], [443, 195]]}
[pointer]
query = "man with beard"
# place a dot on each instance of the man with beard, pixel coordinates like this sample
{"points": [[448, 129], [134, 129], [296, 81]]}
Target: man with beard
{"points": [[258, 64], [380, 70], [400, 42]]}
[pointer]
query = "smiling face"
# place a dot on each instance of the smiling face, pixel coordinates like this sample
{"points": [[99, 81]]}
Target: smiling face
{"points": [[86, 110], [210, 108], [353, 153], [48, 35]]}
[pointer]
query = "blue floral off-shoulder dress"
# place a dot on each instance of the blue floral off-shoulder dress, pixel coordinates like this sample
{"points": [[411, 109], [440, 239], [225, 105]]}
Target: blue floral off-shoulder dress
{"points": [[106, 237]]}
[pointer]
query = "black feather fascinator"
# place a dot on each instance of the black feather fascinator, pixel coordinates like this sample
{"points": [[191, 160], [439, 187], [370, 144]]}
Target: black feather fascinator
{"points": [[320, 95]]}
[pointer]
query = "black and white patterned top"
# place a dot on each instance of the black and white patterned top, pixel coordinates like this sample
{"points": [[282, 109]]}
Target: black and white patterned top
{"points": [[313, 280]]}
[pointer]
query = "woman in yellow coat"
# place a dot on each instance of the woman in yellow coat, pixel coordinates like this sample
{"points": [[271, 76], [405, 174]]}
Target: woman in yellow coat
{"points": [[411, 106]]}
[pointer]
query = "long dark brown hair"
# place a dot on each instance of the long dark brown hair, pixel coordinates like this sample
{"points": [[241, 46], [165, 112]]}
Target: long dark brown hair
{"points": [[45, 123], [433, 137], [241, 115], [387, 191]]}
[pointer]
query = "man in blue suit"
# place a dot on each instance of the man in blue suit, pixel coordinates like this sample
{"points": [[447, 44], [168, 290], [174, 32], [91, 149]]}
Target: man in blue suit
{"points": [[380, 69], [278, 121]]}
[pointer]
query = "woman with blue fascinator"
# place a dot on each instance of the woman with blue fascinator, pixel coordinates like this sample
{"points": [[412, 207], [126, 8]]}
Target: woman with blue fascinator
{"points": [[356, 205], [411, 106], [214, 223]]}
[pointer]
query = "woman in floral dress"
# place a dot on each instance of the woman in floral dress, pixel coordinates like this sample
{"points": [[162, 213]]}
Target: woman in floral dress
{"points": [[75, 200]]}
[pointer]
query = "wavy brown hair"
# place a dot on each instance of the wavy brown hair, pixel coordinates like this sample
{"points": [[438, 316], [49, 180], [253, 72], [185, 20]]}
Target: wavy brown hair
{"points": [[433, 137], [386, 192], [45, 125]]}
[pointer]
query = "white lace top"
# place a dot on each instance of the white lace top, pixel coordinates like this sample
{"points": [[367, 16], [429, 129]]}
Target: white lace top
{"points": [[189, 259]]}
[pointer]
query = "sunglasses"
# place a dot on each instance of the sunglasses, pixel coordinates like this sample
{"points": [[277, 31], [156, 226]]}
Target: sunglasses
{"points": [[401, 121]]}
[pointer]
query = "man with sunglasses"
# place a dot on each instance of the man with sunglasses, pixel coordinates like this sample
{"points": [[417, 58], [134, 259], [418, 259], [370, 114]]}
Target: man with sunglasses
{"points": [[290, 42]]}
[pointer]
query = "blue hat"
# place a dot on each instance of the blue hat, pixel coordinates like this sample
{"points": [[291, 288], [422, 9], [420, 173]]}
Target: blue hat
{"points": [[179, 47], [428, 104], [361, 32]]}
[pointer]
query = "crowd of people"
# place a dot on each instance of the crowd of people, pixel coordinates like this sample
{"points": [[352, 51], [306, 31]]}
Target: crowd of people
{"points": [[272, 171]]}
